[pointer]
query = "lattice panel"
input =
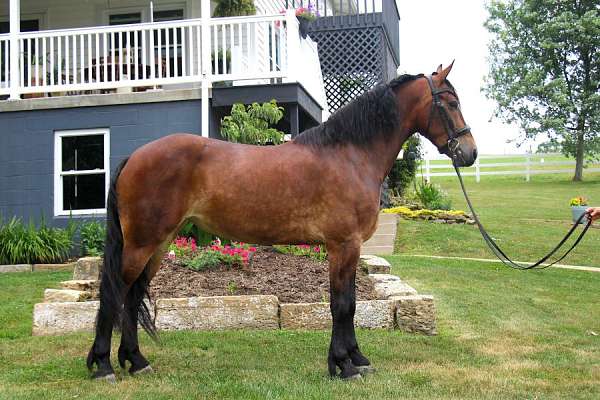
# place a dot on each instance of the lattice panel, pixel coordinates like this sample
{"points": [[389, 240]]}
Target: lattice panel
{"points": [[352, 62]]}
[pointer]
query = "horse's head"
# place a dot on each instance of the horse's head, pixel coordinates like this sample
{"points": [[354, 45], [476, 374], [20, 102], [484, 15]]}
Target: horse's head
{"points": [[441, 121]]}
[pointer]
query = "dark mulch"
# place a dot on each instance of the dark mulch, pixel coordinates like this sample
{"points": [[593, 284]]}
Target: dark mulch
{"points": [[293, 279]]}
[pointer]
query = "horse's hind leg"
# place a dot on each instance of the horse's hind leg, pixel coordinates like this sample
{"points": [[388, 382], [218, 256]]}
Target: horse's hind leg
{"points": [[135, 310], [343, 351]]}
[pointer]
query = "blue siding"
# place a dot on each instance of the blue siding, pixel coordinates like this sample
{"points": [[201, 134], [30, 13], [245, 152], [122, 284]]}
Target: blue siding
{"points": [[27, 146]]}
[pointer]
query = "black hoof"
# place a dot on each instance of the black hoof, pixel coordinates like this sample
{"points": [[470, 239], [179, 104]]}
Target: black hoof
{"points": [[366, 369], [142, 371], [110, 377]]}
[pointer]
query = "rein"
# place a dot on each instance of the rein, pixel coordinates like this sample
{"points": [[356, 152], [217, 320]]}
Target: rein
{"points": [[452, 148], [503, 257]]}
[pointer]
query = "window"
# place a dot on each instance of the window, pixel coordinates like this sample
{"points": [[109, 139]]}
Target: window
{"points": [[124, 19], [81, 171]]}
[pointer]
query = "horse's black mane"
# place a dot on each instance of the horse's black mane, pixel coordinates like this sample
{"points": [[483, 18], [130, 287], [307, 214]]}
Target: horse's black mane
{"points": [[372, 114]]}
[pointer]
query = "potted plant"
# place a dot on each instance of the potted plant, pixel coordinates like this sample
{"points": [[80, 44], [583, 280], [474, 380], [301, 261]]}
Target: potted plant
{"points": [[578, 206], [306, 15]]}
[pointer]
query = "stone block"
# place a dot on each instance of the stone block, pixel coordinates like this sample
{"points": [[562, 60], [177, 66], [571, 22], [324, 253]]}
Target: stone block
{"points": [[415, 314], [65, 295], [62, 318], [220, 312], [53, 267], [387, 285], [306, 316], [88, 268], [85, 285], [376, 265], [15, 268], [375, 314], [369, 314]]}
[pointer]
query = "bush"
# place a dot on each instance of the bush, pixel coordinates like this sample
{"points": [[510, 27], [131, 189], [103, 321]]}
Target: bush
{"points": [[403, 171], [251, 125], [315, 252], [204, 260], [26, 244], [197, 258], [202, 238], [432, 196], [93, 234]]}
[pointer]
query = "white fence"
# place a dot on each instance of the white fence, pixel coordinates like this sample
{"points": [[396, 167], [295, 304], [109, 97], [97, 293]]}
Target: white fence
{"points": [[528, 168]]}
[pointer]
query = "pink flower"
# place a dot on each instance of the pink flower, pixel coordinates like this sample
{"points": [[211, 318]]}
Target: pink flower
{"points": [[316, 249], [171, 255], [252, 249]]}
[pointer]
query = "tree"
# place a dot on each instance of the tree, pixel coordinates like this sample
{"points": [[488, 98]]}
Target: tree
{"points": [[545, 71]]}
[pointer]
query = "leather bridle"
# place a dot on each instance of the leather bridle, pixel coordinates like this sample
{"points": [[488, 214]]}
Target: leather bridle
{"points": [[452, 146], [452, 150]]}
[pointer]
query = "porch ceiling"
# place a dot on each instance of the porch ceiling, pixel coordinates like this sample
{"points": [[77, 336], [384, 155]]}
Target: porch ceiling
{"points": [[282, 93]]}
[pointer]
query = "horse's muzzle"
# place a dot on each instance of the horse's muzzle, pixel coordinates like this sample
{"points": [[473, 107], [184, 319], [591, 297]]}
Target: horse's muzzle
{"points": [[463, 155]]}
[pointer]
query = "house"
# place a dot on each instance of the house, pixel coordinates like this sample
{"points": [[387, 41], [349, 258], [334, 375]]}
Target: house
{"points": [[85, 83]]}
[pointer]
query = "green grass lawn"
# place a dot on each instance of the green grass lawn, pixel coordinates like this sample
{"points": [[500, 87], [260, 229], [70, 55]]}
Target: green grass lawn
{"points": [[503, 334], [526, 218]]}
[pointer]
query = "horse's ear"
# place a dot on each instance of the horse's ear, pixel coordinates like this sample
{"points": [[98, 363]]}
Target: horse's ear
{"points": [[439, 69], [445, 72]]}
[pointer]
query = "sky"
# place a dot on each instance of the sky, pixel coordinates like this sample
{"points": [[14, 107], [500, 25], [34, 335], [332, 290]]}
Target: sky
{"points": [[434, 32]]}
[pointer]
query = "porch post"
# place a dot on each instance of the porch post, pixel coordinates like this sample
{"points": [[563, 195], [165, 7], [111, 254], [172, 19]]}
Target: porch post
{"points": [[206, 66], [15, 27]]}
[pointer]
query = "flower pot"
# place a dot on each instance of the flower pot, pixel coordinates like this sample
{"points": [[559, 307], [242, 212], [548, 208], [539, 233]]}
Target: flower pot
{"points": [[576, 212], [304, 27]]}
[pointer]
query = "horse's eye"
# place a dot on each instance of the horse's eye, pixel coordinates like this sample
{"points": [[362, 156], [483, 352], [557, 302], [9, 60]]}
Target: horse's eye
{"points": [[453, 104]]}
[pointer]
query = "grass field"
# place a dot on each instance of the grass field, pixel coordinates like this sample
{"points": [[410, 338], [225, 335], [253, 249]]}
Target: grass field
{"points": [[526, 218], [503, 334]]}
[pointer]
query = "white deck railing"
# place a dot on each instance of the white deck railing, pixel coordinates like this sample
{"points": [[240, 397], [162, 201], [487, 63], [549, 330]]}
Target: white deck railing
{"points": [[151, 54]]}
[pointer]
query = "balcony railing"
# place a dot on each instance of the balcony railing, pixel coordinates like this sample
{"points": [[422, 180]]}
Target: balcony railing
{"points": [[153, 54]]}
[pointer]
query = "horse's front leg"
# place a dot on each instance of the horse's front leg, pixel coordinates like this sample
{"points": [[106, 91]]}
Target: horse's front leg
{"points": [[343, 350]]}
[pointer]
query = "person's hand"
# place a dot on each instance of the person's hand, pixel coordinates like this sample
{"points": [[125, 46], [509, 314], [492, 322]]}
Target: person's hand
{"points": [[593, 213]]}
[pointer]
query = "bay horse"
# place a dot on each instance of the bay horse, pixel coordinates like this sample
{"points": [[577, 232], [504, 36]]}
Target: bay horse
{"points": [[323, 187]]}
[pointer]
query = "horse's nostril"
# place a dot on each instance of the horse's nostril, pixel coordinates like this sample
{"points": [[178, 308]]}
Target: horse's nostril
{"points": [[474, 154]]}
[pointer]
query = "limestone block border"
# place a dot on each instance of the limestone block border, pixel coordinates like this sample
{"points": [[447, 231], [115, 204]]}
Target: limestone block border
{"points": [[36, 267], [398, 307]]}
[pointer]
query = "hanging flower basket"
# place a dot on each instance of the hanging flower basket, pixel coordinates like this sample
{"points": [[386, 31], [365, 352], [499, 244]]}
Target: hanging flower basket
{"points": [[578, 207], [304, 27], [306, 15]]}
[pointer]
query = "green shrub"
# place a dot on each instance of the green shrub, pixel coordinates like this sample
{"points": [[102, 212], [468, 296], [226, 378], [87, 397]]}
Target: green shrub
{"points": [[403, 171], [432, 196], [204, 260], [316, 252], [251, 125], [93, 234], [28, 244], [201, 238]]}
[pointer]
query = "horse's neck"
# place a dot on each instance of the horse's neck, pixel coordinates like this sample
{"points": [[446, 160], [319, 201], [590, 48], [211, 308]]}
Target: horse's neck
{"points": [[383, 153]]}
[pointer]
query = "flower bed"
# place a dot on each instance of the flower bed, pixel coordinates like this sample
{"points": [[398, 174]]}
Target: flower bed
{"points": [[439, 216]]}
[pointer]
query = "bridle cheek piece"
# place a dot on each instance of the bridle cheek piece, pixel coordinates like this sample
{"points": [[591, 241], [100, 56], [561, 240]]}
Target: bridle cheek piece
{"points": [[452, 146]]}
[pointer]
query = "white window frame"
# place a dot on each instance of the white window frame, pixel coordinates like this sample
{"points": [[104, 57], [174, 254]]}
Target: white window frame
{"points": [[59, 173]]}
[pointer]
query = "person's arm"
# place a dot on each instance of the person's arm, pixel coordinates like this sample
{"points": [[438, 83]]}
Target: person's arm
{"points": [[593, 213]]}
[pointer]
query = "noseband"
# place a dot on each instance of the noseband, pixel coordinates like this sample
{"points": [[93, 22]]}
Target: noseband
{"points": [[451, 148]]}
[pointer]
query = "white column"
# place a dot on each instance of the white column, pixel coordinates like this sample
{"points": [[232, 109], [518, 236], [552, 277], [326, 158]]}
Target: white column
{"points": [[206, 66], [15, 27], [292, 46]]}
